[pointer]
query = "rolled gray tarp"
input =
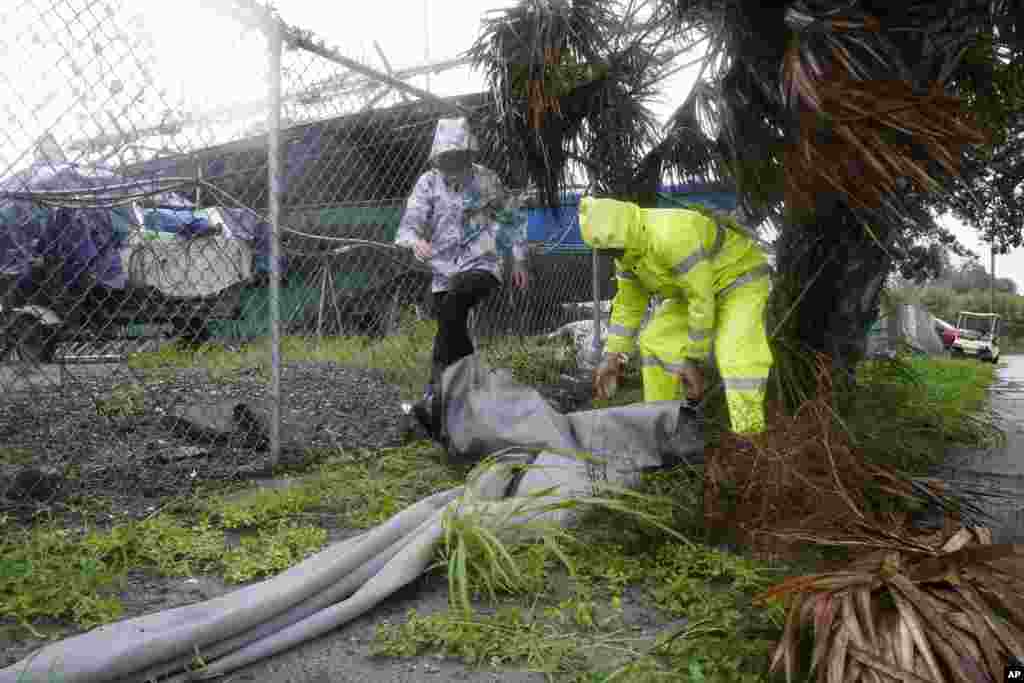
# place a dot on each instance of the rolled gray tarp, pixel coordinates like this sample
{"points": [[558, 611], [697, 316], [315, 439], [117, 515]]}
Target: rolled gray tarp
{"points": [[334, 593], [485, 412], [118, 650]]}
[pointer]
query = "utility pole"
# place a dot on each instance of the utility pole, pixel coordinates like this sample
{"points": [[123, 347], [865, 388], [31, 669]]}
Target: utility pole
{"points": [[426, 38], [992, 280]]}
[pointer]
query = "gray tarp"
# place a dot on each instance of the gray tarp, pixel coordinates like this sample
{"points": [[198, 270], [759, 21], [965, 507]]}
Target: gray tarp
{"points": [[484, 412], [905, 326]]}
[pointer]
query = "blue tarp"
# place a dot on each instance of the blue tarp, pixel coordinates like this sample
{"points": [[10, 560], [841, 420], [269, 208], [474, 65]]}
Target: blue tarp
{"points": [[559, 231], [183, 222], [240, 224], [87, 240]]}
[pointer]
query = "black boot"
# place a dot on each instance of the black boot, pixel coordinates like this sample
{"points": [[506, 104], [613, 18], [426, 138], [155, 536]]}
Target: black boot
{"points": [[436, 373], [427, 410]]}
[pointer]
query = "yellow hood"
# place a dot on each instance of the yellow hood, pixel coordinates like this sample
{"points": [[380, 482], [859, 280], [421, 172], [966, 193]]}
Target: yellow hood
{"points": [[610, 224]]}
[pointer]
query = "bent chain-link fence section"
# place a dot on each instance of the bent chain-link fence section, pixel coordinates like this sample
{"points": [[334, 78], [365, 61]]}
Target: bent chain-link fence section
{"points": [[137, 232]]}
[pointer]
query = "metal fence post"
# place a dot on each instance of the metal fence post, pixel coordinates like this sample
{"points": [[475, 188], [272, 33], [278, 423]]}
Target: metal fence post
{"points": [[596, 283], [274, 39]]}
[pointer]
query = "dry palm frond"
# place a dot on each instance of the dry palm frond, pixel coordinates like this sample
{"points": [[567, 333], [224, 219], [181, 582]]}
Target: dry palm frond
{"points": [[864, 136], [881, 139], [803, 481], [945, 613]]}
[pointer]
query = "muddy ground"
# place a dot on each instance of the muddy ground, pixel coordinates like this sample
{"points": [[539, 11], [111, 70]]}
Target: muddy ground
{"points": [[111, 436], [110, 432]]}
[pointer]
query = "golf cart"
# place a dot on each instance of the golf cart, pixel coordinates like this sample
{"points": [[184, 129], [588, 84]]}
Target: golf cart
{"points": [[978, 336]]}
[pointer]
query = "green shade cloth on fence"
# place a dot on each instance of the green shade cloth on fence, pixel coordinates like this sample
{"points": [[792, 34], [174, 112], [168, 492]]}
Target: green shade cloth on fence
{"points": [[346, 221], [300, 301], [301, 291]]}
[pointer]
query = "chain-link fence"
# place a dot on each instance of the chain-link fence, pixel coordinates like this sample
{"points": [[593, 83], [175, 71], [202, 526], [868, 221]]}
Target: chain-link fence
{"points": [[119, 261], [176, 309]]}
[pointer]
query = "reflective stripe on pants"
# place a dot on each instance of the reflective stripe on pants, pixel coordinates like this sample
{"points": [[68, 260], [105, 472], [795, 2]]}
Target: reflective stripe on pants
{"points": [[660, 351], [744, 355]]}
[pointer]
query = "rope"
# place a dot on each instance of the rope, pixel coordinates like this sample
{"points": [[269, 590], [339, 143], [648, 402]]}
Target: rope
{"points": [[130, 193]]}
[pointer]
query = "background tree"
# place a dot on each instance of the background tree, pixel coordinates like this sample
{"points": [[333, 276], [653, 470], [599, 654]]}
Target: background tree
{"points": [[989, 195], [571, 84]]}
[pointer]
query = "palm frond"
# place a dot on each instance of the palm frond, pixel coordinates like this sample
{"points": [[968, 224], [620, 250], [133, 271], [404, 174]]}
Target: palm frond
{"points": [[482, 537], [939, 609], [689, 149], [605, 78], [511, 51], [866, 125]]}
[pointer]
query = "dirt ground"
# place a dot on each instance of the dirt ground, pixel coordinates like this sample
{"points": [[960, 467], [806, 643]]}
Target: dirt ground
{"points": [[108, 431]]}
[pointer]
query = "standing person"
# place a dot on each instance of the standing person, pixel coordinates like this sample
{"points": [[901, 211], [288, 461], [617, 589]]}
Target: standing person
{"points": [[462, 221], [714, 282]]}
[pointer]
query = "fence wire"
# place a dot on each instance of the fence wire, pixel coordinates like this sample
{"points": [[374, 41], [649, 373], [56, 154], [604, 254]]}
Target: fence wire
{"points": [[136, 245]]}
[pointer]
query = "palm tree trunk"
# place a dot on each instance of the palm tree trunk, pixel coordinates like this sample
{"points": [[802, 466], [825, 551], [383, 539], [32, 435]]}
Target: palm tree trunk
{"points": [[827, 296]]}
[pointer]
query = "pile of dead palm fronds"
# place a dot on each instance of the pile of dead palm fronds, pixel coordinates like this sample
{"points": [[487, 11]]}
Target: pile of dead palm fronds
{"points": [[804, 476], [947, 607]]}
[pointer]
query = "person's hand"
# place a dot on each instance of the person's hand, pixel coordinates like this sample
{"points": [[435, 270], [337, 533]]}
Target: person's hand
{"points": [[692, 377], [422, 249], [520, 278], [607, 376]]}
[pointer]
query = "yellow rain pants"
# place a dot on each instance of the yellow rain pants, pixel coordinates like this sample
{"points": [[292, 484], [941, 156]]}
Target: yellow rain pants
{"points": [[740, 346]]}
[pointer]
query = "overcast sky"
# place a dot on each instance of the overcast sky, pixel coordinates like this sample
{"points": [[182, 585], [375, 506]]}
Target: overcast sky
{"points": [[205, 59]]}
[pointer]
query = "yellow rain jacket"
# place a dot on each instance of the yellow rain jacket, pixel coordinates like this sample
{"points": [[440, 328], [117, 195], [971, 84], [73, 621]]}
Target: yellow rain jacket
{"points": [[714, 284]]}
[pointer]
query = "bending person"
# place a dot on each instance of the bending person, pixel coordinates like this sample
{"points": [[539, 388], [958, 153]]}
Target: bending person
{"points": [[714, 283]]}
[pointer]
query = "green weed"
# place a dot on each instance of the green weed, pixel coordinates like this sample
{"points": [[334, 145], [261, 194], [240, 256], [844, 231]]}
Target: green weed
{"points": [[359, 489], [533, 361], [576, 580], [402, 358], [11, 455], [272, 551], [124, 400], [907, 413], [726, 639], [510, 636]]}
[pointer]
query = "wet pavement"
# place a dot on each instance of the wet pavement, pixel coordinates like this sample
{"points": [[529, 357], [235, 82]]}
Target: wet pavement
{"points": [[1000, 469]]}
